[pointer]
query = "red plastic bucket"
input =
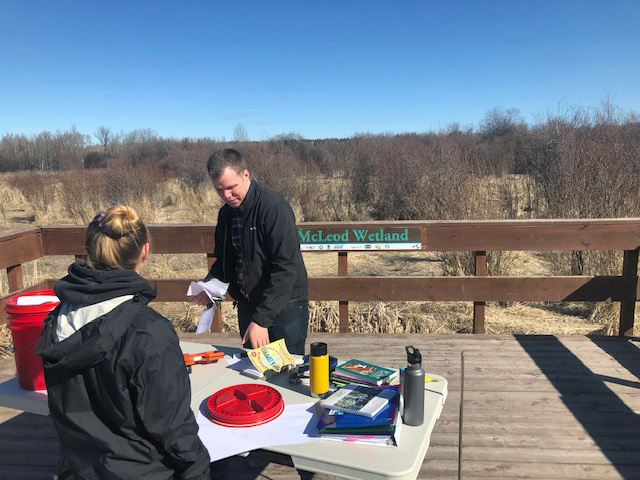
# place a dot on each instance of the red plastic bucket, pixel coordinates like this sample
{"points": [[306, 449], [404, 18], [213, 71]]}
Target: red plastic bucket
{"points": [[26, 313]]}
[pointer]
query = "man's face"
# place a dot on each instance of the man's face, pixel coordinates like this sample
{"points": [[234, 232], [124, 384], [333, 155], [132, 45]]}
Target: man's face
{"points": [[232, 186]]}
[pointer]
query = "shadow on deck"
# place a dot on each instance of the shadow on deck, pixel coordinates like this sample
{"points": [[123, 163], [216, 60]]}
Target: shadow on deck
{"points": [[535, 407], [599, 394]]}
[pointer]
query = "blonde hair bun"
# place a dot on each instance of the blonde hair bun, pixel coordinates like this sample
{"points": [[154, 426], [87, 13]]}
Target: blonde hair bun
{"points": [[115, 239], [122, 219]]}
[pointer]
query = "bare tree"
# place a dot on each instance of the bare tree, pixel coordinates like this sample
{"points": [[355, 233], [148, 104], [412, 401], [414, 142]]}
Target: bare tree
{"points": [[104, 136], [498, 122], [240, 133], [45, 151], [16, 151], [70, 150], [142, 145]]}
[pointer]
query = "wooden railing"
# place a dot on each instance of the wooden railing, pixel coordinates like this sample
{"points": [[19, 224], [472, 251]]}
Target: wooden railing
{"points": [[478, 237]]}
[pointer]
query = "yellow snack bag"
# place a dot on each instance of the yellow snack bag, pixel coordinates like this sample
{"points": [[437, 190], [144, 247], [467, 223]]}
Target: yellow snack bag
{"points": [[273, 356]]}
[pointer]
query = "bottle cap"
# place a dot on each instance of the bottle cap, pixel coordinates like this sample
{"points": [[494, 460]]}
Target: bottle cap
{"points": [[318, 349], [413, 355]]}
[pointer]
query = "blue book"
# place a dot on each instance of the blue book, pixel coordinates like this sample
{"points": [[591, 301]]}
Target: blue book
{"points": [[332, 421]]}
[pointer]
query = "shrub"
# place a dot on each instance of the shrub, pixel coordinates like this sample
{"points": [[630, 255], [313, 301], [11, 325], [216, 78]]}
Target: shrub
{"points": [[95, 160], [140, 186], [82, 195], [38, 189]]}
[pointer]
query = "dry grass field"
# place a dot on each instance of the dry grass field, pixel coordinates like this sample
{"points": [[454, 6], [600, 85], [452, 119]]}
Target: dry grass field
{"points": [[175, 204]]}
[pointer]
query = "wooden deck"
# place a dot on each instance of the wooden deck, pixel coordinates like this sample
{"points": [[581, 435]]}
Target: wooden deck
{"points": [[535, 407]]}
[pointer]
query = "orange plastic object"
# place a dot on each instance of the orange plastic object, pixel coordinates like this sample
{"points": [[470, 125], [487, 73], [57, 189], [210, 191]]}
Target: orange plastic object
{"points": [[211, 356]]}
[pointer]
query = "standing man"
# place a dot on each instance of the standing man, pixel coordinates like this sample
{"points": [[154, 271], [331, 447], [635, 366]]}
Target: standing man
{"points": [[257, 252]]}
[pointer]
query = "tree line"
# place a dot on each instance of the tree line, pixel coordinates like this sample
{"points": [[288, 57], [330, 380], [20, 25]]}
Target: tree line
{"points": [[575, 162]]}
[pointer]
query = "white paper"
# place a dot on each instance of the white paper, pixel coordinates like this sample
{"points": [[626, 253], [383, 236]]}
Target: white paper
{"points": [[214, 288], [244, 366], [296, 424], [36, 300], [204, 324], [235, 362], [252, 372]]}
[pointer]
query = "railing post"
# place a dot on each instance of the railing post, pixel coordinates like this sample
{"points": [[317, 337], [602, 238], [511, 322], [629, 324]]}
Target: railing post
{"points": [[15, 282], [343, 271], [627, 309], [480, 262], [216, 324], [14, 278]]}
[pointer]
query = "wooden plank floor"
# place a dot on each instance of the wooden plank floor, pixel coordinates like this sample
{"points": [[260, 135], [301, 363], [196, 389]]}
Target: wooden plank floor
{"points": [[535, 407]]}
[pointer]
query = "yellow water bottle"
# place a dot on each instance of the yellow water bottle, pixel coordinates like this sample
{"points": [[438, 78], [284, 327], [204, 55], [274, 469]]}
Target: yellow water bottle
{"points": [[319, 369]]}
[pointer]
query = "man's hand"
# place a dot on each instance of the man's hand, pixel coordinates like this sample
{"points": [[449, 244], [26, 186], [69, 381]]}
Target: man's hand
{"points": [[201, 299], [256, 335]]}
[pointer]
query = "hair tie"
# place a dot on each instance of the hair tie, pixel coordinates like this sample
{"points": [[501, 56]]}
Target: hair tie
{"points": [[104, 228]]}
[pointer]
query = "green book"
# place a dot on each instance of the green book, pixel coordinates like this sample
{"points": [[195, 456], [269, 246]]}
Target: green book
{"points": [[359, 370]]}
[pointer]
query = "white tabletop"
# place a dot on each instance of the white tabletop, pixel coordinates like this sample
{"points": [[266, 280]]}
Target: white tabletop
{"points": [[347, 460], [12, 396]]}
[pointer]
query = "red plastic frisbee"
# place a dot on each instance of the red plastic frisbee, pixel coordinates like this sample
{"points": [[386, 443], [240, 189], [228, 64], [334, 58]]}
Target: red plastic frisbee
{"points": [[245, 405]]}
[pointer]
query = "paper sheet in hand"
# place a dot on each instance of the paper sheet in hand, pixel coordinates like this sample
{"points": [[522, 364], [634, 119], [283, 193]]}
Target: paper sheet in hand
{"points": [[214, 288], [204, 324], [295, 425]]}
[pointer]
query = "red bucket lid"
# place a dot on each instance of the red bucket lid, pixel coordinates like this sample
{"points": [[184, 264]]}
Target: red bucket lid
{"points": [[245, 405], [12, 303]]}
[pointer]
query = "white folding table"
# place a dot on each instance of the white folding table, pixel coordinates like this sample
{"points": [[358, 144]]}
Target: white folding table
{"points": [[342, 459]]}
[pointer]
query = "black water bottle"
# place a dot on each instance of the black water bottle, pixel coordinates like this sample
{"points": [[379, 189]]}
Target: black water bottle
{"points": [[413, 388]]}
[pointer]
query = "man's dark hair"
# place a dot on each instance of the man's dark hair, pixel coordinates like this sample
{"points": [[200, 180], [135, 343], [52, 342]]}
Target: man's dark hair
{"points": [[222, 159]]}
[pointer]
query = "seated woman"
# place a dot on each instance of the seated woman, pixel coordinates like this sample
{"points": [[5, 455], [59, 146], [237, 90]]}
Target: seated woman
{"points": [[119, 392]]}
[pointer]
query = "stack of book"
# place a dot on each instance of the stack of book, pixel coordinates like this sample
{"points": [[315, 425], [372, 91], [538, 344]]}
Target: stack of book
{"points": [[364, 405], [361, 414], [357, 371]]}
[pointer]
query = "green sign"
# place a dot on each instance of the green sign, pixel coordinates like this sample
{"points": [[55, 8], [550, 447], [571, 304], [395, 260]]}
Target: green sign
{"points": [[364, 238]]}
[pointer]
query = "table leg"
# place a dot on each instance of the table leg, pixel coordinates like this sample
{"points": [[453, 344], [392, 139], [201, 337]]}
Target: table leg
{"points": [[61, 474]]}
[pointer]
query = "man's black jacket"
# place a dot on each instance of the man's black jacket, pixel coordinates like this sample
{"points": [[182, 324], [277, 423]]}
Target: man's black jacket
{"points": [[119, 393], [273, 265]]}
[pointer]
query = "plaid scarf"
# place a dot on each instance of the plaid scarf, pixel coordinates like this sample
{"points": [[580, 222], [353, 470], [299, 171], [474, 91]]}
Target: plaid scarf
{"points": [[237, 224]]}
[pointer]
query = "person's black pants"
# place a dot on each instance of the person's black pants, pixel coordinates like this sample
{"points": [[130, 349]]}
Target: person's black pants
{"points": [[291, 323]]}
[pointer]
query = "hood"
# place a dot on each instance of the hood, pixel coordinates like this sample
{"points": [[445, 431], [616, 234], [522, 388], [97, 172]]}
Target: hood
{"points": [[96, 309], [87, 286]]}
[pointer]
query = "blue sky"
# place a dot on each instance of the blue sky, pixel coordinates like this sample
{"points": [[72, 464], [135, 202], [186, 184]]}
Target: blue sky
{"points": [[321, 69]]}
